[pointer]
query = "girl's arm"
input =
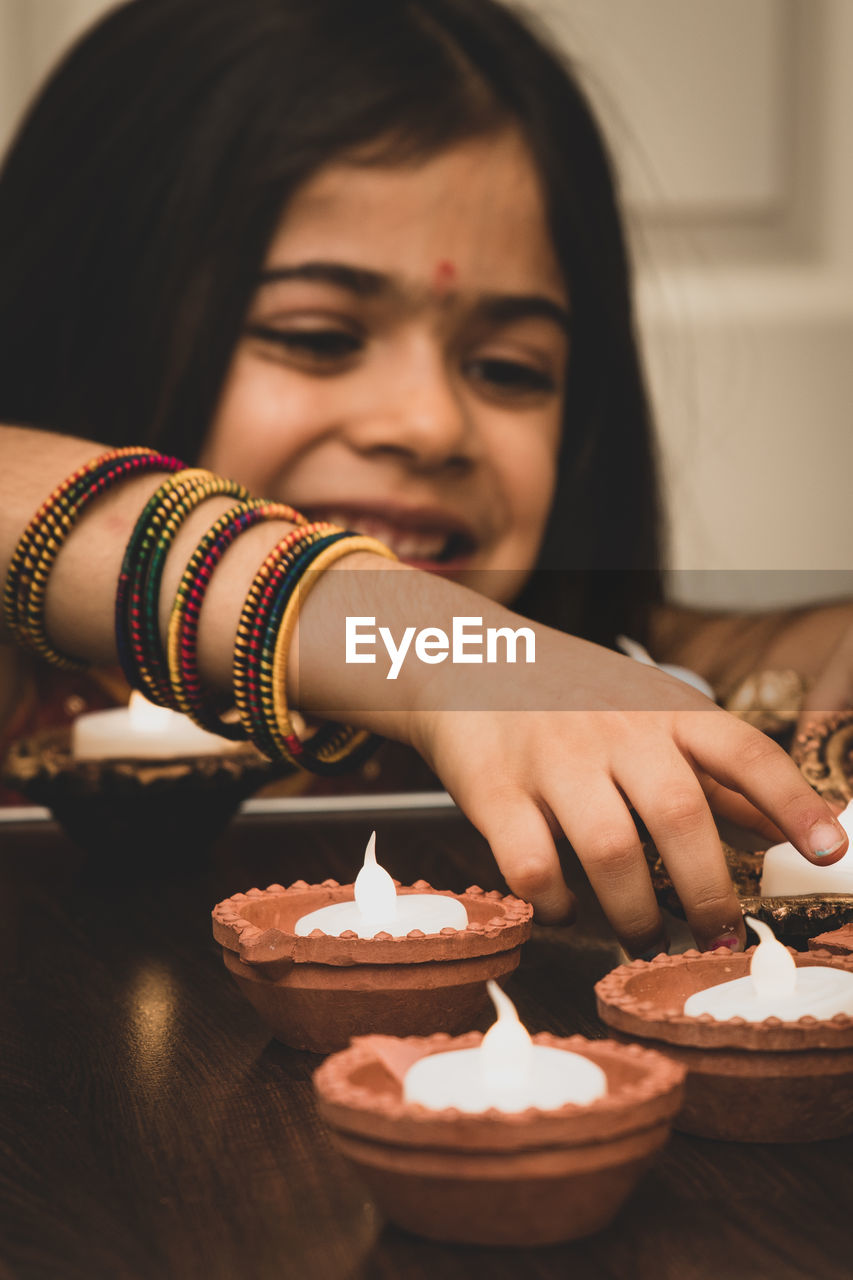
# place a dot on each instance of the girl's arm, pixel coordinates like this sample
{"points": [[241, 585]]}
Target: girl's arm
{"points": [[562, 745]]}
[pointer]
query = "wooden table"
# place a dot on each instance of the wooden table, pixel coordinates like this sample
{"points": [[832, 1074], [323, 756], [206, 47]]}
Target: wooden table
{"points": [[149, 1130]]}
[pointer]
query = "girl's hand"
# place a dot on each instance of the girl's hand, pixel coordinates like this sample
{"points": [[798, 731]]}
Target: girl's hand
{"points": [[580, 739]]}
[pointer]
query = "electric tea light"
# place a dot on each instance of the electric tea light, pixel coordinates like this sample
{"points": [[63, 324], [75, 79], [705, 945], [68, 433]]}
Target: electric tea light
{"points": [[324, 962], [766, 1036], [377, 908], [143, 731], [775, 988], [137, 785], [554, 1144], [507, 1071]]}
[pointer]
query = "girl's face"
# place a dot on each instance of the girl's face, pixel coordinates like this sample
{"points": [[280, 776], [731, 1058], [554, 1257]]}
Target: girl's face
{"points": [[403, 363]]}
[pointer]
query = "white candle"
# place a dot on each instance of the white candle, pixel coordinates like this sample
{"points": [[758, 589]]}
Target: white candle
{"points": [[142, 731], [776, 988], [378, 908], [786, 873], [508, 1071]]}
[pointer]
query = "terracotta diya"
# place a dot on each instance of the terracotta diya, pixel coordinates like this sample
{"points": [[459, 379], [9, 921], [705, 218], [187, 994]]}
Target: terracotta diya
{"points": [[317, 991], [825, 756], [769, 1081], [498, 1178], [839, 942], [141, 810]]}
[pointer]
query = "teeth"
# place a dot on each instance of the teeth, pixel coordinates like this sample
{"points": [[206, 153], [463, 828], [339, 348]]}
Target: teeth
{"points": [[408, 544], [418, 547]]}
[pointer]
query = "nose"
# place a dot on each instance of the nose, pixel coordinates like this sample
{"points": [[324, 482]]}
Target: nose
{"points": [[417, 412]]}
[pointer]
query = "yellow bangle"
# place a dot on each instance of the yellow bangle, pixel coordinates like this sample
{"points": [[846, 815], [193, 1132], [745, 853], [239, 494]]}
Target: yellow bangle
{"points": [[337, 746]]}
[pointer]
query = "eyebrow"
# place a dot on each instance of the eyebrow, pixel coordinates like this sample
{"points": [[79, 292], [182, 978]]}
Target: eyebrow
{"points": [[503, 308], [358, 280], [499, 308]]}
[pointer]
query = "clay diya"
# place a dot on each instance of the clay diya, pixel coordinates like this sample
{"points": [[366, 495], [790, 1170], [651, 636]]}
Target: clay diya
{"points": [[317, 991], [824, 754], [498, 1178], [769, 1081], [839, 942], [138, 811]]}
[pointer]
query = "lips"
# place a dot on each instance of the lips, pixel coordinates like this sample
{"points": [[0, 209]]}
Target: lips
{"points": [[425, 538]]}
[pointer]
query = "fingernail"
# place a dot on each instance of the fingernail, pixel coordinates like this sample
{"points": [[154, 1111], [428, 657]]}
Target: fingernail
{"points": [[730, 940], [825, 839]]}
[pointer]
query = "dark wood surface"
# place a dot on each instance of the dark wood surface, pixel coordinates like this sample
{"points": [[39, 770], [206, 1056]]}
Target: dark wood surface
{"points": [[150, 1130]]}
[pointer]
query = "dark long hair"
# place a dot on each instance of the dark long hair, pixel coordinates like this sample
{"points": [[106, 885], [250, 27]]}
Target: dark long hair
{"points": [[139, 198]]}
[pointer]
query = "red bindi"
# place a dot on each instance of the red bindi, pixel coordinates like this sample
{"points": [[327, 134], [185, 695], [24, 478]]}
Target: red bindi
{"points": [[444, 276]]}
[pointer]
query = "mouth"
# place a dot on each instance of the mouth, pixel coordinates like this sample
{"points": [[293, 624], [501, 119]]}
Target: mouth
{"points": [[422, 538]]}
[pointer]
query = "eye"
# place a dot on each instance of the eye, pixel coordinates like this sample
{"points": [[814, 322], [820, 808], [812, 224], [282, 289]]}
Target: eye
{"points": [[321, 346], [511, 377]]}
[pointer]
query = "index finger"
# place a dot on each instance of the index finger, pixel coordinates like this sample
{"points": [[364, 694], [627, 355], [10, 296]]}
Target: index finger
{"points": [[745, 760]]}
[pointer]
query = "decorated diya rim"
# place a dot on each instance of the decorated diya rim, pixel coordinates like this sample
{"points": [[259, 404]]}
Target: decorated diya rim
{"points": [[824, 751], [793, 917], [361, 1092], [801, 915], [646, 998], [259, 926], [42, 764]]}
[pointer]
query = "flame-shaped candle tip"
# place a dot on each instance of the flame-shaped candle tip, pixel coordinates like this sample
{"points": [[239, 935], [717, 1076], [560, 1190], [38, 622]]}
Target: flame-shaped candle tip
{"points": [[773, 970], [375, 892], [506, 1050]]}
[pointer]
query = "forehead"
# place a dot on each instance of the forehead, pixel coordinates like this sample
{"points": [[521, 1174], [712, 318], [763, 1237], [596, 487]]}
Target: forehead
{"points": [[475, 211]]}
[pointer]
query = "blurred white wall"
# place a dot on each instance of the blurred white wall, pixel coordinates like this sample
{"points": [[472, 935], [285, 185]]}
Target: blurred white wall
{"points": [[732, 125]]}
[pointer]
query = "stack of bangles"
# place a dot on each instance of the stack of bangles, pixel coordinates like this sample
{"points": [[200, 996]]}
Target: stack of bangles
{"points": [[168, 674]]}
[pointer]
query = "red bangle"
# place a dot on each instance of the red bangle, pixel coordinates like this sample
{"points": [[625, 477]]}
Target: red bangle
{"points": [[42, 540]]}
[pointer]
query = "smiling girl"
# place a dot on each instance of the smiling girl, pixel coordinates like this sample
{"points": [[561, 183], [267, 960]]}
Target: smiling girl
{"points": [[402, 369], [366, 260]]}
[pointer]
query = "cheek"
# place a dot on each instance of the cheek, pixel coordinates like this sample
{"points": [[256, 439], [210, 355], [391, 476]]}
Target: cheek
{"points": [[260, 422], [530, 476]]}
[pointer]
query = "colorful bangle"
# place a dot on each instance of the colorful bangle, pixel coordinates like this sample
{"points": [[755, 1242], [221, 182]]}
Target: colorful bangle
{"points": [[140, 650], [254, 696], [251, 628], [267, 621], [42, 540], [334, 746], [183, 624]]}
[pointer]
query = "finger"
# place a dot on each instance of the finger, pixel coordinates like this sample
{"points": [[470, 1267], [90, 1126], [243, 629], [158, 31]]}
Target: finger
{"points": [[523, 847], [729, 804], [672, 804], [602, 833], [747, 761]]}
